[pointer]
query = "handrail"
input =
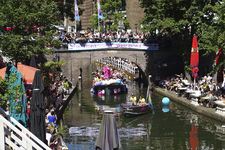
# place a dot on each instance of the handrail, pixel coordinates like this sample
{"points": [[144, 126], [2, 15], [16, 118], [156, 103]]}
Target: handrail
{"points": [[23, 141]]}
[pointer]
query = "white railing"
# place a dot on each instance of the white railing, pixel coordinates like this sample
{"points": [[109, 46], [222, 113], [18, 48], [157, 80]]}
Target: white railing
{"points": [[120, 64], [21, 136]]}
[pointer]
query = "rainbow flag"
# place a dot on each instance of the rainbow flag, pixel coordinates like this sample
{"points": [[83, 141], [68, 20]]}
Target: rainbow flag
{"points": [[148, 97]]}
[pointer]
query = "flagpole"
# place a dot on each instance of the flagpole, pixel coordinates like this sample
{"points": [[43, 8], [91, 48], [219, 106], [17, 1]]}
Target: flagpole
{"points": [[75, 19], [98, 24]]}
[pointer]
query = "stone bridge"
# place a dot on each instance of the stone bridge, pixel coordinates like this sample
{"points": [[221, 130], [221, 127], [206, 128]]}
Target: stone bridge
{"points": [[144, 59]]}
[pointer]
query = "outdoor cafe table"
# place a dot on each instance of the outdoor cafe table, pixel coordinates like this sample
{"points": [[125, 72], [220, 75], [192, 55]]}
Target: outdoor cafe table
{"points": [[181, 91]]}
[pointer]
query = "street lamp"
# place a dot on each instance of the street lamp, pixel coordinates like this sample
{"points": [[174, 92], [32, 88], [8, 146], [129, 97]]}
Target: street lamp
{"points": [[136, 27]]}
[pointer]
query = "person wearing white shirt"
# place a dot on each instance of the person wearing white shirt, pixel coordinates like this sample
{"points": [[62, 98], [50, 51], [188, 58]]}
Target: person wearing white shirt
{"points": [[209, 78], [49, 137]]}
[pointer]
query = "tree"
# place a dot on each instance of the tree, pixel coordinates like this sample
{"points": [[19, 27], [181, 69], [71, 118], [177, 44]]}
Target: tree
{"points": [[179, 20], [31, 24], [8, 91], [213, 34], [114, 7]]}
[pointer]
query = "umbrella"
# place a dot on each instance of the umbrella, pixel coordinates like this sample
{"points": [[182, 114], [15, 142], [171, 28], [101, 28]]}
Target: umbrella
{"points": [[37, 113], [33, 62], [20, 116], [108, 137], [83, 32], [194, 57], [27, 72]]}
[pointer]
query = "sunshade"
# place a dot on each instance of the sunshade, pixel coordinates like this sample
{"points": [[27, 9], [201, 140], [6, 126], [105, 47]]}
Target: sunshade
{"points": [[27, 72], [83, 32], [108, 137], [20, 116], [194, 58], [37, 113]]}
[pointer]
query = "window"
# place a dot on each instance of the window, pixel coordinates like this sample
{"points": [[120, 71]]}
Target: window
{"points": [[124, 4]]}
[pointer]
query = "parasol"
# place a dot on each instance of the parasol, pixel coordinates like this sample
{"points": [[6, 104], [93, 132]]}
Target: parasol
{"points": [[83, 32], [37, 113], [108, 137], [20, 116], [194, 57]]}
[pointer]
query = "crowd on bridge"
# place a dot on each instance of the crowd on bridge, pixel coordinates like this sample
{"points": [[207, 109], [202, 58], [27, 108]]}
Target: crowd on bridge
{"points": [[100, 37], [205, 89]]}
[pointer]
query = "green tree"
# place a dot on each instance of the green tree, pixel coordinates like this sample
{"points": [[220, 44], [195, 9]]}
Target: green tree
{"points": [[179, 19], [212, 34], [7, 91], [113, 6], [25, 39]]}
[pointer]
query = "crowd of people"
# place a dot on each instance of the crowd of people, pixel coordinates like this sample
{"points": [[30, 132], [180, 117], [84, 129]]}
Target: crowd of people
{"points": [[205, 89], [98, 37]]}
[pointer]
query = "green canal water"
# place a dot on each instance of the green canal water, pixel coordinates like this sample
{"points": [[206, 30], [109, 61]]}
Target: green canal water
{"points": [[170, 128]]}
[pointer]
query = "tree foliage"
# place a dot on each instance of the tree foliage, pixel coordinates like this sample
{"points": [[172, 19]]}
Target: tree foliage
{"points": [[180, 19], [112, 6], [31, 24], [8, 91]]}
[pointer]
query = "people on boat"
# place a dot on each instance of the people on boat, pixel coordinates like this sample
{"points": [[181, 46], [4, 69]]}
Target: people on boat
{"points": [[133, 99], [141, 101]]}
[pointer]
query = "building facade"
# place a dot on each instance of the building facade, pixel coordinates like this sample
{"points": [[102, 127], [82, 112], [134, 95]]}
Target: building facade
{"points": [[131, 9]]}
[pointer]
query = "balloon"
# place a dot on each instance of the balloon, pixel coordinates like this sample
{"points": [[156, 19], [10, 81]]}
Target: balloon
{"points": [[165, 101]]}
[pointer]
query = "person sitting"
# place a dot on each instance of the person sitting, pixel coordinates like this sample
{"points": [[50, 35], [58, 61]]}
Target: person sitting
{"points": [[52, 118], [133, 99], [141, 101]]}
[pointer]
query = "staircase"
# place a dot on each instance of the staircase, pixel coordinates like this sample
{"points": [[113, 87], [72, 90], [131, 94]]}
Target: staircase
{"points": [[17, 138]]}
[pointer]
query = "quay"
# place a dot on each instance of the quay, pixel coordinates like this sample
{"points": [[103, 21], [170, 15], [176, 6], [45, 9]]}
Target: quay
{"points": [[208, 112]]}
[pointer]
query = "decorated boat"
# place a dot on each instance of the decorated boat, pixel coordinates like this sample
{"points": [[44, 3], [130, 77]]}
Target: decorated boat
{"points": [[130, 110], [108, 85]]}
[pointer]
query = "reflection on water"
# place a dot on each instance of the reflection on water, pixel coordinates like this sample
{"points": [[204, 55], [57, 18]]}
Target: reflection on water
{"points": [[173, 128]]}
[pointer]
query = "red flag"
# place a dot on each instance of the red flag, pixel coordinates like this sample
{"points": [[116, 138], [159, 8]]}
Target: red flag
{"points": [[220, 71], [194, 57]]}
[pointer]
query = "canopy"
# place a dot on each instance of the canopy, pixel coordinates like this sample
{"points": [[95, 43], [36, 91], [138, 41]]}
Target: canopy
{"points": [[27, 72], [194, 57]]}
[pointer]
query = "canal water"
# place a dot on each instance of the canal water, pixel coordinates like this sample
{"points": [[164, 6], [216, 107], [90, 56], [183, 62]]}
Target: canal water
{"points": [[170, 128]]}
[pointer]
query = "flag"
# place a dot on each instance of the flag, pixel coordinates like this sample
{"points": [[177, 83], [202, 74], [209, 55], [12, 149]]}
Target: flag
{"points": [[148, 97], [77, 18], [100, 15], [194, 57]]}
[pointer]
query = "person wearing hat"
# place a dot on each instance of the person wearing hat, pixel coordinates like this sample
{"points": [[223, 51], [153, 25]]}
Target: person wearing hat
{"points": [[133, 99]]}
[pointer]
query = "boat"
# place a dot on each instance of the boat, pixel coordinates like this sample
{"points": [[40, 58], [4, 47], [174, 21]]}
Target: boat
{"points": [[109, 89], [130, 111]]}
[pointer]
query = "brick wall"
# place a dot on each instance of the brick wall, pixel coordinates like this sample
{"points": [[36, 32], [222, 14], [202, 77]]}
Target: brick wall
{"points": [[134, 13]]}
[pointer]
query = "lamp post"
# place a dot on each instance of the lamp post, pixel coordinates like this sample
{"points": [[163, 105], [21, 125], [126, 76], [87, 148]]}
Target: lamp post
{"points": [[136, 27]]}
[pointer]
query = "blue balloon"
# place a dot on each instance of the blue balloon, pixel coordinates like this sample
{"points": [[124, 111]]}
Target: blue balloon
{"points": [[165, 108], [165, 101]]}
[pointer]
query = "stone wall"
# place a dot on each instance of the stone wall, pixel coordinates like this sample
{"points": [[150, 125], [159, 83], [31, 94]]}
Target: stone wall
{"points": [[134, 13], [145, 60]]}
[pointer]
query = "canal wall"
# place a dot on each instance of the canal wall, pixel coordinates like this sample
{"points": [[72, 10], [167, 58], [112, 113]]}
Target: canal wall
{"points": [[208, 112]]}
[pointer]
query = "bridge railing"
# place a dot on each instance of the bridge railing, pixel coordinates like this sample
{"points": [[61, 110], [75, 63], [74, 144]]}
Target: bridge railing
{"points": [[17, 138], [125, 65]]}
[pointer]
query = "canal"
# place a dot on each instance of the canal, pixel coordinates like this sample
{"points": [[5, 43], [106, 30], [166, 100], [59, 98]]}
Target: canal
{"points": [[170, 128]]}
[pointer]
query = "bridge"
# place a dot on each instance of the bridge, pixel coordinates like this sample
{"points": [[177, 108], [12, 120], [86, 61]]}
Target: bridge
{"points": [[80, 56]]}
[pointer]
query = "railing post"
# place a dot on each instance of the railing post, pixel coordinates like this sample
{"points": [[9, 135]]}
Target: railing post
{"points": [[2, 141], [79, 83]]}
